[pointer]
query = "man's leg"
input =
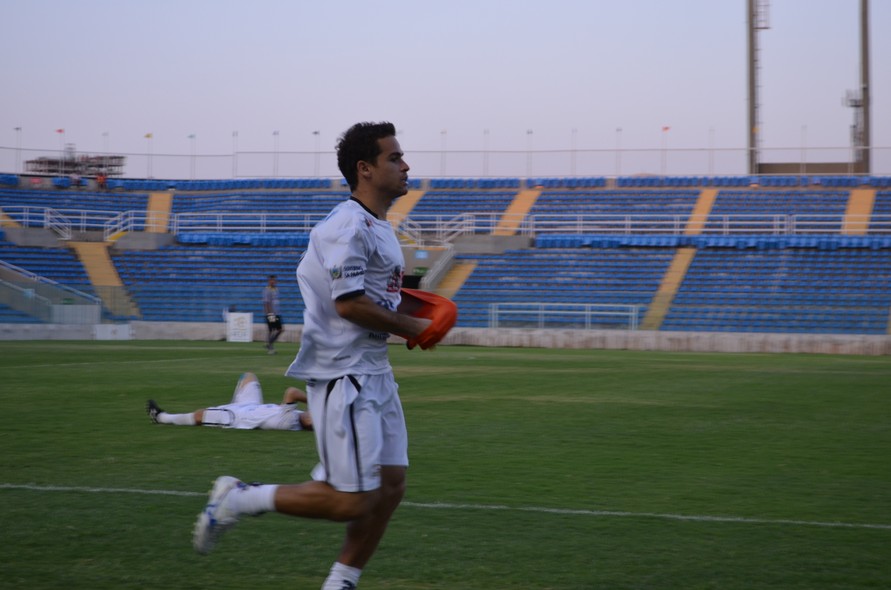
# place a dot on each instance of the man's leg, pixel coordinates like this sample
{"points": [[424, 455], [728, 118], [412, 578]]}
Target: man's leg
{"points": [[231, 498], [364, 534], [367, 513], [317, 499], [275, 330], [159, 416]]}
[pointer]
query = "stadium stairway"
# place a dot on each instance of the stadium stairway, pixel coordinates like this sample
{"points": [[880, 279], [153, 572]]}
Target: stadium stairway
{"points": [[859, 212], [516, 212], [105, 279], [452, 282], [403, 207], [7, 221], [158, 211], [668, 288], [701, 211], [683, 257], [159, 208]]}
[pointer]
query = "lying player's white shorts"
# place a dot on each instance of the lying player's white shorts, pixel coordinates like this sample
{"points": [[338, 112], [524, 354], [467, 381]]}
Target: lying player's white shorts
{"points": [[249, 393], [359, 426]]}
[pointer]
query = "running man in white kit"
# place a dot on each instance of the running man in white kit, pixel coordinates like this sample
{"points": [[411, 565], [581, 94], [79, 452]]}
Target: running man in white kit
{"points": [[350, 278], [246, 411]]}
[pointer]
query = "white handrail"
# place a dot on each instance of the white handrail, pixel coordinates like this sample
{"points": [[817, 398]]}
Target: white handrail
{"points": [[439, 228], [543, 313]]}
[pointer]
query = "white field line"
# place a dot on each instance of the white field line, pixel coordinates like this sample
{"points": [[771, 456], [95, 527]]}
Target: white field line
{"points": [[490, 508]]}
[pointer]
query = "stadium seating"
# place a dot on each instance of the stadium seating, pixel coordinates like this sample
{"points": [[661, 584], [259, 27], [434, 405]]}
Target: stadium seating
{"points": [[767, 202], [785, 290], [568, 276], [75, 200], [452, 203], [58, 264], [562, 183], [196, 283], [9, 180], [820, 282], [11, 316], [306, 202], [615, 202]]}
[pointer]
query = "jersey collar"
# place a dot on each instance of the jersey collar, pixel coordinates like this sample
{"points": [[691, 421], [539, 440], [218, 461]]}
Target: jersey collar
{"points": [[370, 212]]}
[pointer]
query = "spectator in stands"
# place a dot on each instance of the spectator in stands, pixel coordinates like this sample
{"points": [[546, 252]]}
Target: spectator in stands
{"points": [[101, 181], [271, 309], [350, 278], [246, 410]]}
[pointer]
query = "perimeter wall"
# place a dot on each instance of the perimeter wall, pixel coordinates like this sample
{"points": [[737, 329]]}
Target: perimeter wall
{"points": [[501, 337]]}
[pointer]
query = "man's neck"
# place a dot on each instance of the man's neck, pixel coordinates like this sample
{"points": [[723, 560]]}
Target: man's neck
{"points": [[376, 206]]}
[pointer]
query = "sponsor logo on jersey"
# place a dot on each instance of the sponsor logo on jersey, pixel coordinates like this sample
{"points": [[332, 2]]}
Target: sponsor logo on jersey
{"points": [[395, 281], [346, 272]]}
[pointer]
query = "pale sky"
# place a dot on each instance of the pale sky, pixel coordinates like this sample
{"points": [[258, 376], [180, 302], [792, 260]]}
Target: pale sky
{"points": [[465, 74]]}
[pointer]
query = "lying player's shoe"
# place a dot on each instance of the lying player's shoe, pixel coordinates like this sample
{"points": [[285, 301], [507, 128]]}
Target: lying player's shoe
{"points": [[152, 409], [217, 517]]}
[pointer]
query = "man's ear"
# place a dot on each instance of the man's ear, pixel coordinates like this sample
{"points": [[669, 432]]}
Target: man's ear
{"points": [[364, 169]]}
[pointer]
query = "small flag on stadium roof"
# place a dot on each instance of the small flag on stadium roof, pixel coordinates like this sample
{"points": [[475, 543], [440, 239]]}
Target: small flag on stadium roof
{"points": [[60, 131], [148, 135], [665, 128]]}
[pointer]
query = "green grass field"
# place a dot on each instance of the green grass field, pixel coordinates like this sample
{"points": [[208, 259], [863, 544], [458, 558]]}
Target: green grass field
{"points": [[530, 469]]}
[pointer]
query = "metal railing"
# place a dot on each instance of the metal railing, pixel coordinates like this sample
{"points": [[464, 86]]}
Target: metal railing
{"points": [[566, 315], [602, 157], [436, 272], [444, 228], [63, 221], [42, 217], [56, 292], [25, 301], [244, 222], [45, 299]]}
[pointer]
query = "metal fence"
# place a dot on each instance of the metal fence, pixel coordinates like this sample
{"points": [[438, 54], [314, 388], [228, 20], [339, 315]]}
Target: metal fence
{"points": [[445, 228], [45, 299], [482, 163], [564, 315]]}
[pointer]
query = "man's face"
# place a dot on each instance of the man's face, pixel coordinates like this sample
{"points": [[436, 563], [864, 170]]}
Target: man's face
{"points": [[389, 171]]}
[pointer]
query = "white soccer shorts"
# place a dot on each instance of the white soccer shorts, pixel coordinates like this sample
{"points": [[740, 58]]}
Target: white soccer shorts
{"points": [[249, 393], [359, 426]]}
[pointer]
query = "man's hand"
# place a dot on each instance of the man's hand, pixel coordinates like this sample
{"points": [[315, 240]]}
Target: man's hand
{"points": [[442, 313]]}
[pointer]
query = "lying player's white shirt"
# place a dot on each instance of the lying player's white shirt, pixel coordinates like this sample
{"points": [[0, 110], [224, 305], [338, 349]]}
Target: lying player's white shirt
{"points": [[247, 411], [251, 416], [349, 251]]}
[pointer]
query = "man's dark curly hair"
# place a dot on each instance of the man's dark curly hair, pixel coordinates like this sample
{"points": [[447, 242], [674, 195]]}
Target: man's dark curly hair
{"points": [[359, 144]]}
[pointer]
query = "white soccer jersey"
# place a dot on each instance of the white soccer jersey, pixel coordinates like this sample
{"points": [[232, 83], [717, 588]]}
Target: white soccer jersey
{"points": [[254, 416], [349, 251], [247, 411]]}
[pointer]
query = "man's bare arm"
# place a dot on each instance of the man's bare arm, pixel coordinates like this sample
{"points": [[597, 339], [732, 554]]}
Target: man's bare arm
{"points": [[294, 395], [362, 310]]}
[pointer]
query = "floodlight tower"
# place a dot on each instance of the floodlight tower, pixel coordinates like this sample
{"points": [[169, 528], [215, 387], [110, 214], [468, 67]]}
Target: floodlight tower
{"points": [[758, 20], [860, 139], [859, 100]]}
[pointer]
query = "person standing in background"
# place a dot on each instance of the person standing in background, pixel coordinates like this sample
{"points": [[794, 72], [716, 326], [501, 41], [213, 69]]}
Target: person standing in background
{"points": [[272, 311]]}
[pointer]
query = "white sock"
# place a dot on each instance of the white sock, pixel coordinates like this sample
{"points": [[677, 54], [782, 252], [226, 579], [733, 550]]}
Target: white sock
{"points": [[254, 500], [342, 577], [177, 419]]}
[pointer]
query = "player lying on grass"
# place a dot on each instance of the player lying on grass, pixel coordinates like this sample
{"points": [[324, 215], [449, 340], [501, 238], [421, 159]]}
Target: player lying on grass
{"points": [[246, 410]]}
